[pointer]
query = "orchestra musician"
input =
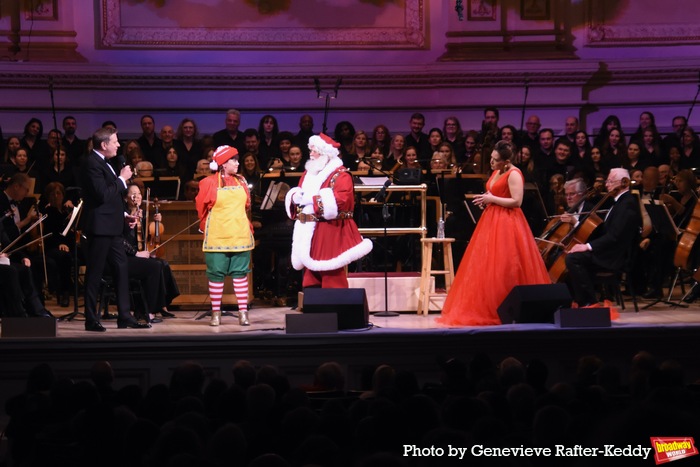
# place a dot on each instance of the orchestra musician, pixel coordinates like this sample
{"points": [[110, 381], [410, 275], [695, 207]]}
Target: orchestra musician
{"points": [[154, 273], [654, 260], [58, 248], [18, 294], [621, 227]]}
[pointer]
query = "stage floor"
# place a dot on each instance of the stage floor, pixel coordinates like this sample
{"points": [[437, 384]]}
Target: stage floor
{"points": [[266, 319]]}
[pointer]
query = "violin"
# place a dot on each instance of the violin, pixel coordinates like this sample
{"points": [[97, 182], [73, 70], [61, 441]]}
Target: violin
{"points": [[140, 226], [155, 231], [577, 236]]}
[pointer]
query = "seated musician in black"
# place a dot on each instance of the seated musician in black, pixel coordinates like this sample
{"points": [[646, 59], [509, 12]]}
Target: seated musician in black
{"points": [[18, 295], [577, 205], [681, 205], [608, 250], [654, 262], [154, 273]]}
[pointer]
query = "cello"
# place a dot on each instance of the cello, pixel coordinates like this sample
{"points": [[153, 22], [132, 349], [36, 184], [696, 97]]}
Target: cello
{"points": [[577, 236], [681, 257], [556, 230]]}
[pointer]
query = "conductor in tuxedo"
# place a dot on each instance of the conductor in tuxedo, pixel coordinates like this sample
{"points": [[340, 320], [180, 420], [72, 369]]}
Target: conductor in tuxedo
{"points": [[610, 247], [104, 219]]}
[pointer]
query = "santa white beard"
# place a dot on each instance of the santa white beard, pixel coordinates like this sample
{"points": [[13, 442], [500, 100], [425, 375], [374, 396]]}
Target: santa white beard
{"points": [[314, 166]]}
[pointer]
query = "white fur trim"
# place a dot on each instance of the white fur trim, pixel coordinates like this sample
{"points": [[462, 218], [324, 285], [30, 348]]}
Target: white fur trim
{"points": [[312, 183], [303, 233], [330, 205], [213, 166], [301, 248], [288, 200]]}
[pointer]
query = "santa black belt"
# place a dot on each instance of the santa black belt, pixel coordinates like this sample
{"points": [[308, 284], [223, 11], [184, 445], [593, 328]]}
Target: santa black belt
{"points": [[304, 218]]}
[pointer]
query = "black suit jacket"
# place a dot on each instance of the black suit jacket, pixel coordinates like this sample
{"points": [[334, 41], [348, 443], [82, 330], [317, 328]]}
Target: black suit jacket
{"points": [[618, 233], [103, 193]]}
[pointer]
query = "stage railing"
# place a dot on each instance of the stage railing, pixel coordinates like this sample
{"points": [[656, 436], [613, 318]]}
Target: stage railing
{"points": [[378, 231]]}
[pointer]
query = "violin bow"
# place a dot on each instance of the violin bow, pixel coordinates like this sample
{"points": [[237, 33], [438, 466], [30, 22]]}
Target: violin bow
{"points": [[182, 231]]}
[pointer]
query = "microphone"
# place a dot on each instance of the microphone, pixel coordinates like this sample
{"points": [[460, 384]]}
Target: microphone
{"points": [[317, 83], [121, 160], [381, 196], [337, 86]]}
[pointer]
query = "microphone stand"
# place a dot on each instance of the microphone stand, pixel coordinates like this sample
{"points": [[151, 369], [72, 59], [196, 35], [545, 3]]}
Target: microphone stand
{"points": [[76, 311], [522, 115], [695, 99], [381, 197], [327, 95]]}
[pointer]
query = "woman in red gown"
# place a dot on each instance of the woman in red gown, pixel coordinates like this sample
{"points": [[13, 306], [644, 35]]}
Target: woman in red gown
{"points": [[501, 254]]}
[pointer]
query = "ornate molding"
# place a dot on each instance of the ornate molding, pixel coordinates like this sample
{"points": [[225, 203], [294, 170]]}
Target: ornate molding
{"points": [[439, 78], [411, 36], [602, 35]]}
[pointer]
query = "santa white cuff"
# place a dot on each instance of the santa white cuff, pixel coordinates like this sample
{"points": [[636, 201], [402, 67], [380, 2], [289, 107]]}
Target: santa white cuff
{"points": [[330, 206]]}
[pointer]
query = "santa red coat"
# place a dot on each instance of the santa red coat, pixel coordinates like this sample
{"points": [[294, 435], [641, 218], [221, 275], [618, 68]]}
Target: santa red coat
{"points": [[332, 242]]}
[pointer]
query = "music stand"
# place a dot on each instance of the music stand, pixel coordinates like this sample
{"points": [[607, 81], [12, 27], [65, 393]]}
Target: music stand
{"points": [[662, 220], [72, 226], [163, 188]]}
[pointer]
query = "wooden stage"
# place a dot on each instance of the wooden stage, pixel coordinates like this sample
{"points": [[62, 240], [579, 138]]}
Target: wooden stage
{"points": [[408, 341]]}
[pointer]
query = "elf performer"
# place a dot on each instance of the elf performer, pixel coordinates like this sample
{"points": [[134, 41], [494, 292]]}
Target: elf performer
{"points": [[223, 205]]}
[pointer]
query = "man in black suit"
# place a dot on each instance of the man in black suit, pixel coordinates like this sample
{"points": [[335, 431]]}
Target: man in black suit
{"points": [[609, 250], [104, 223]]}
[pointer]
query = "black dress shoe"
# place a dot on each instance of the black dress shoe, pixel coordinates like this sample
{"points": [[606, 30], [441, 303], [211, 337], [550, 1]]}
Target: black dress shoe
{"points": [[43, 313], [166, 314], [132, 325], [692, 296], [95, 327], [652, 294]]}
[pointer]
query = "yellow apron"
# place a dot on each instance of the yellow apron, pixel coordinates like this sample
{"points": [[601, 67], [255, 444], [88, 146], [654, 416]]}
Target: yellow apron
{"points": [[227, 228]]}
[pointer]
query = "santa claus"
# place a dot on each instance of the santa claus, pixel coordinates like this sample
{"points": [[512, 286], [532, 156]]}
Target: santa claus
{"points": [[326, 238]]}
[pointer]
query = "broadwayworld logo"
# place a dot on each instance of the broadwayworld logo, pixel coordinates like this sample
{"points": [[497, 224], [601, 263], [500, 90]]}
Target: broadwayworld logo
{"points": [[673, 449]]}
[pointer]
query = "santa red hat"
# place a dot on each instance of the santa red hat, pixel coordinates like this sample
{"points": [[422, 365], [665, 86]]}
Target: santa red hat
{"points": [[221, 156], [325, 145]]}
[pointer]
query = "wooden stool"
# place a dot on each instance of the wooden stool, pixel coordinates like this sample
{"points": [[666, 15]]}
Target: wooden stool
{"points": [[427, 272]]}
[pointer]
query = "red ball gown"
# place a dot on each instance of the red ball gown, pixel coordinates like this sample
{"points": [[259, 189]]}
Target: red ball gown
{"points": [[501, 254]]}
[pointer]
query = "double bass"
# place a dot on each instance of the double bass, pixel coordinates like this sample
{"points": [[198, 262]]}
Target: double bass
{"points": [[577, 236]]}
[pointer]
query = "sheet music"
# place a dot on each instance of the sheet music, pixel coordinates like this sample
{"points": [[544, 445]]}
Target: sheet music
{"points": [[373, 181], [73, 217]]}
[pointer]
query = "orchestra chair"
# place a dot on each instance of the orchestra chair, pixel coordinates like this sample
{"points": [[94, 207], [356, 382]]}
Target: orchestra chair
{"points": [[427, 271], [108, 292], [609, 279]]}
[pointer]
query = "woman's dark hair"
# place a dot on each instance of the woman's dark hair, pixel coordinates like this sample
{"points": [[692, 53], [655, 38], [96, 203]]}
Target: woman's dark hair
{"points": [[34, 120], [504, 150]]}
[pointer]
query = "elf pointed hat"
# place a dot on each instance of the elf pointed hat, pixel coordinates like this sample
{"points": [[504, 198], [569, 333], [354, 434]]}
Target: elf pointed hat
{"points": [[221, 156], [325, 145]]}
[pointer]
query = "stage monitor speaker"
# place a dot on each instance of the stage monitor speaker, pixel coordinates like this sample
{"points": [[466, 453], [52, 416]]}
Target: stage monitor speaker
{"points": [[349, 304], [582, 317], [28, 327], [534, 303], [311, 324]]}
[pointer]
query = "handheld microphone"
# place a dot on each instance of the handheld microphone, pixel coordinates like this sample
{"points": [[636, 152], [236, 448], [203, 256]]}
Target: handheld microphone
{"points": [[121, 160]]}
